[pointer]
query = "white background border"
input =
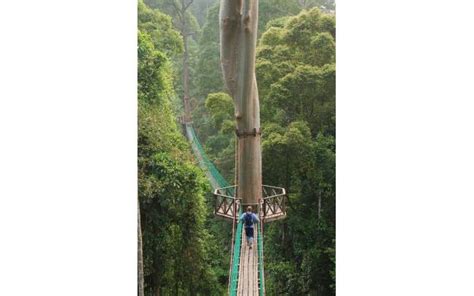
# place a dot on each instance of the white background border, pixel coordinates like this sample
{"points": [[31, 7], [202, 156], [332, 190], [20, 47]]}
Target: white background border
{"points": [[404, 148], [68, 181]]}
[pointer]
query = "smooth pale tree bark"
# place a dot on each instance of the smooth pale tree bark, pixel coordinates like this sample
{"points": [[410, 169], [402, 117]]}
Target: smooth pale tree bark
{"points": [[238, 37], [140, 254]]}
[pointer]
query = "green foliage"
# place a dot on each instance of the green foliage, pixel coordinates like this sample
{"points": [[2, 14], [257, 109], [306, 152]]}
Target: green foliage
{"points": [[174, 8], [312, 93], [274, 35], [276, 23], [176, 242], [160, 28], [183, 24], [324, 49], [301, 38], [296, 71], [153, 71], [272, 9], [285, 152], [300, 251], [220, 106], [327, 5], [200, 9], [178, 247], [303, 33], [221, 146], [296, 77], [209, 77]]}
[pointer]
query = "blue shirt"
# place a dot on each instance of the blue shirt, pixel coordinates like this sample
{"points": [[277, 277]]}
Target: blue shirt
{"points": [[254, 218]]}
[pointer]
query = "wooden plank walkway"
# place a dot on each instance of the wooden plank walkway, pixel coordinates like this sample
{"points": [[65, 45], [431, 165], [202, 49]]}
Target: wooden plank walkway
{"points": [[248, 271]]}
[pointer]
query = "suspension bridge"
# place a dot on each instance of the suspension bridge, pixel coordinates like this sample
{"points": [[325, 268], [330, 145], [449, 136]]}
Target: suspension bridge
{"points": [[246, 276]]}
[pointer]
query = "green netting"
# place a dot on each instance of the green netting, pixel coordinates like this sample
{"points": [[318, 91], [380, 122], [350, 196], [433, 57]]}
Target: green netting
{"points": [[204, 160], [234, 274], [261, 279]]}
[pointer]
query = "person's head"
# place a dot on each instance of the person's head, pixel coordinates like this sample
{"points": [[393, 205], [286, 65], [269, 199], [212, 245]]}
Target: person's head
{"points": [[249, 209]]}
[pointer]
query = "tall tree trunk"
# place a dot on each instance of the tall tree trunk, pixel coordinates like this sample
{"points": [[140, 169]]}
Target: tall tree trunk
{"points": [[140, 254], [319, 204], [287, 167], [185, 34], [187, 109], [157, 280], [238, 34]]}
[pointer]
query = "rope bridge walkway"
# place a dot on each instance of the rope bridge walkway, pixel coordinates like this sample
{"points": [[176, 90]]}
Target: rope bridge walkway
{"points": [[246, 266]]}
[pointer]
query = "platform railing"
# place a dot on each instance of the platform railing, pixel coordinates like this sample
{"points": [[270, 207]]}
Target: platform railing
{"points": [[261, 273], [235, 257], [274, 203], [225, 202], [273, 206]]}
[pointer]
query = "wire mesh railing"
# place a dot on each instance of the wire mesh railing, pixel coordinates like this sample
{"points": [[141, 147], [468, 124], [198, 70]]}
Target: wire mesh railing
{"points": [[203, 159], [261, 275]]}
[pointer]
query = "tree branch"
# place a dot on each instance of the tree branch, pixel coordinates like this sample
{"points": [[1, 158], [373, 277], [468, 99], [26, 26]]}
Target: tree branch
{"points": [[187, 5]]}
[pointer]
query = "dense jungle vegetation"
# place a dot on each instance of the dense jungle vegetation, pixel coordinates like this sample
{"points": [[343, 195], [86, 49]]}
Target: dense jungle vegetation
{"points": [[185, 249]]}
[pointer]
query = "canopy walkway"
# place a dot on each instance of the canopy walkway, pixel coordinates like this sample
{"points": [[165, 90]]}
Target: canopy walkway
{"points": [[246, 265]]}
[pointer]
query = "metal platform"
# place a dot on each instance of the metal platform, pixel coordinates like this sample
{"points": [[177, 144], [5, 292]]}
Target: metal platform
{"points": [[272, 206]]}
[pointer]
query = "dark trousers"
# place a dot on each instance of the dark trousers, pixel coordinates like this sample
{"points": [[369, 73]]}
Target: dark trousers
{"points": [[249, 232]]}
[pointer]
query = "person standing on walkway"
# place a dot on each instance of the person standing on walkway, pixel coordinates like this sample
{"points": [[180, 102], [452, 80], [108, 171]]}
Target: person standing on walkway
{"points": [[249, 219]]}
